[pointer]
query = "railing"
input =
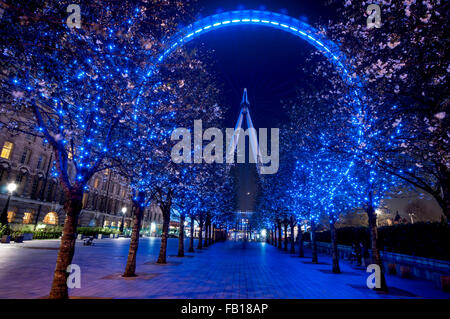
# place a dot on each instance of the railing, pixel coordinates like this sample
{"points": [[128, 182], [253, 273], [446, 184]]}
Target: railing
{"points": [[417, 267]]}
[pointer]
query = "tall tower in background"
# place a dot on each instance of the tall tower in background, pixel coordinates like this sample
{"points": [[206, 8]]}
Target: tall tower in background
{"points": [[255, 154], [247, 173]]}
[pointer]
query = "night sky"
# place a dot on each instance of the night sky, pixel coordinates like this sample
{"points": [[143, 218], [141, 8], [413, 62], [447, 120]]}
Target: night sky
{"points": [[266, 61]]}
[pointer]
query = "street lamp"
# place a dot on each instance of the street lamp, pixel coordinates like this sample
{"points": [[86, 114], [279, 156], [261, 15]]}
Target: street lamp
{"points": [[411, 215], [124, 210], [11, 187]]}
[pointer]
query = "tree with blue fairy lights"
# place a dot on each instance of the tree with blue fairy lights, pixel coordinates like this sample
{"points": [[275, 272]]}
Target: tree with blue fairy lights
{"points": [[405, 74], [184, 92], [77, 88]]}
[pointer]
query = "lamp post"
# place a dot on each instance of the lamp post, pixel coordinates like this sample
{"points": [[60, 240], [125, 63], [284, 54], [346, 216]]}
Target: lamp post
{"points": [[411, 216], [11, 187], [124, 210]]}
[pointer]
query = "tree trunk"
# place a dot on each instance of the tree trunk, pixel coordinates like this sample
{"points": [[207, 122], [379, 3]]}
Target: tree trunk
{"points": [[334, 248], [376, 257], [285, 237], [292, 238], [442, 193], [279, 236], [443, 199], [165, 235], [444, 203], [200, 235], [181, 237], [211, 232], [191, 240], [275, 240], [447, 203], [72, 208], [301, 252], [205, 244], [313, 242], [130, 268]]}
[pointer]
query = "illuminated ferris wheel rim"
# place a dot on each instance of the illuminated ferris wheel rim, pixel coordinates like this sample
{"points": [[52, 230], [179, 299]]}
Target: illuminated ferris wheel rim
{"points": [[275, 21], [260, 18]]}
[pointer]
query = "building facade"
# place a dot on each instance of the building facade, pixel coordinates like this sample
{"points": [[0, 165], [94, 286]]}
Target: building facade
{"points": [[27, 161]]}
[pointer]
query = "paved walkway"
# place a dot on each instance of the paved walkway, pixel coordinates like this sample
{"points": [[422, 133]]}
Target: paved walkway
{"points": [[224, 270]]}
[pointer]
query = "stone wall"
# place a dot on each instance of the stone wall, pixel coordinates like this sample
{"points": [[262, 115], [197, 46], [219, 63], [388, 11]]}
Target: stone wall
{"points": [[402, 265]]}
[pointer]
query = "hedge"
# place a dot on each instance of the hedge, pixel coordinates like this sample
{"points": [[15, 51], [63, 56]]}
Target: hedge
{"points": [[46, 235], [429, 240], [56, 232], [2, 230], [38, 234]]}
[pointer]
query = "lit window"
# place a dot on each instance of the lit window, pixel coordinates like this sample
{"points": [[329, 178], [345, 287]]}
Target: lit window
{"points": [[70, 155], [27, 218], [11, 216], [96, 182], [84, 200], [107, 171], [51, 218], [6, 150]]}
